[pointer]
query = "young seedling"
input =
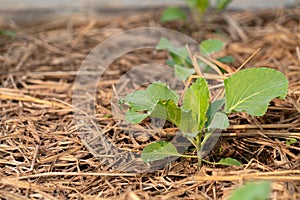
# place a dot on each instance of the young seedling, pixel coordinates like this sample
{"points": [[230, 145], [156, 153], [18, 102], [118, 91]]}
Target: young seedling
{"points": [[248, 90], [180, 56], [198, 9], [196, 113]]}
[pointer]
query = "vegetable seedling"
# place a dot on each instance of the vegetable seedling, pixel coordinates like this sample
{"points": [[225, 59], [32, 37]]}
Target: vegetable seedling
{"points": [[180, 58], [249, 90], [198, 9]]}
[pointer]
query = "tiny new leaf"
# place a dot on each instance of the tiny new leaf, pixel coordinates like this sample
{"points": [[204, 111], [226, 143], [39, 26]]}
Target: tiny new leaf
{"points": [[251, 90], [252, 191], [159, 150]]}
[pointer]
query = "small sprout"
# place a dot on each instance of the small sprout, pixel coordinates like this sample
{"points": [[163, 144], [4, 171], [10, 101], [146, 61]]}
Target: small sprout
{"points": [[291, 141]]}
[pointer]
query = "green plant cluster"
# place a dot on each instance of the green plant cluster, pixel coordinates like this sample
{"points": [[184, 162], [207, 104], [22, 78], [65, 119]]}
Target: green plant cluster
{"points": [[180, 58], [197, 7], [248, 90]]}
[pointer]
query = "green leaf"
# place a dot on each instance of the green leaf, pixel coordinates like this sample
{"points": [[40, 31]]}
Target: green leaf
{"points": [[189, 124], [172, 14], [134, 117], [158, 150], [196, 99], [226, 59], [157, 100], [198, 5], [253, 191], [144, 100], [219, 121], [213, 109], [8, 33], [291, 141], [167, 110], [229, 162], [250, 90], [222, 4], [165, 44], [180, 55], [210, 46], [183, 73]]}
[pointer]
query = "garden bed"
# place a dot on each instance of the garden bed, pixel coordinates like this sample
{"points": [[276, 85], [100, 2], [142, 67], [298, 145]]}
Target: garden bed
{"points": [[43, 157]]}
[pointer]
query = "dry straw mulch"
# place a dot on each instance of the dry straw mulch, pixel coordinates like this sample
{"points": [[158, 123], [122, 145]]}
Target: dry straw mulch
{"points": [[42, 157]]}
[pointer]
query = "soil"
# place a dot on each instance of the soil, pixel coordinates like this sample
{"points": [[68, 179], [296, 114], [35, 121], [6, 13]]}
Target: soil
{"points": [[43, 156]]}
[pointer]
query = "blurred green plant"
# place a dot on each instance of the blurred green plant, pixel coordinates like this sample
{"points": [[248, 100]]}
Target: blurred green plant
{"points": [[8, 33], [252, 191], [180, 58], [198, 9]]}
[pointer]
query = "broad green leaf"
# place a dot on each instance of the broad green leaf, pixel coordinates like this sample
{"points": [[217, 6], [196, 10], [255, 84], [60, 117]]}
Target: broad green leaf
{"points": [[172, 13], [196, 99], [251, 90], [135, 117], [164, 109], [222, 4], [210, 46], [219, 121], [229, 162], [253, 191], [213, 109], [157, 100], [183, 73], [158, 150], [144, 100], [167, 109]]}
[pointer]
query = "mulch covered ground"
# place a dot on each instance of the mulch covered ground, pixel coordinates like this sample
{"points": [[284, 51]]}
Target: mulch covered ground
{"points": [[43, 157]]}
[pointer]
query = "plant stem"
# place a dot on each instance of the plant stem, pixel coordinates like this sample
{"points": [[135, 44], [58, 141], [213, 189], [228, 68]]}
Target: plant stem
{"points": [[198, 147], [206, 138], [188, 156]]}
